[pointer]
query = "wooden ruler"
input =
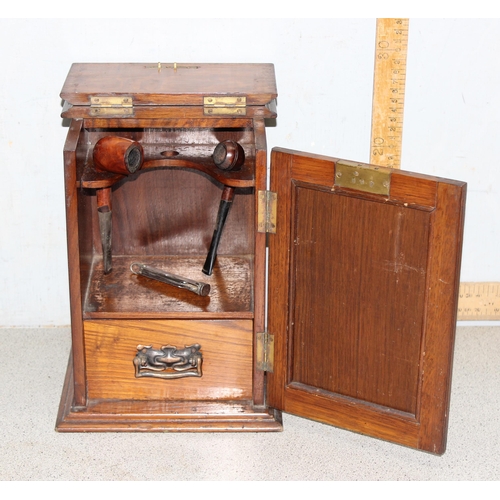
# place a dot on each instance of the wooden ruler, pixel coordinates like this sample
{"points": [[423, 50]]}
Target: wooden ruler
{"points": [[479, 301], [391, 46]]}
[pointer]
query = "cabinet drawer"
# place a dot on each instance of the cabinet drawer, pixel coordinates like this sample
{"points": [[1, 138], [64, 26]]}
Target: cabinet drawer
{"points": [[220, 368]]}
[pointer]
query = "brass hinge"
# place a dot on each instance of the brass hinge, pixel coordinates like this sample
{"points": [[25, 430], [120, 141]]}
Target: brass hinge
{"points": [[225, 105], [111, 105], [363, 177], [265, 352], [266, 212]]}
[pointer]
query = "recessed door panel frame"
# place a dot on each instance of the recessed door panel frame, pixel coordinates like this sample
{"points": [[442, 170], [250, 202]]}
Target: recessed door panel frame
{"points": [[419, 421]]}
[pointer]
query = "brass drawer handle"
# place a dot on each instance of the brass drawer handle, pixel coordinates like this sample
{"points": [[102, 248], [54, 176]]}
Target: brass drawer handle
{"points": [[168, 362]]}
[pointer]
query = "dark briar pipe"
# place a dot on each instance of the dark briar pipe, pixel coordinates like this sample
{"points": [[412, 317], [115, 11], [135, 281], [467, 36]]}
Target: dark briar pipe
{"points": [[224, 206], [228, 155]]}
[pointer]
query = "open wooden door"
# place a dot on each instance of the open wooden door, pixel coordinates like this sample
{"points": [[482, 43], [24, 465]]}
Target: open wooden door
{"points": [[363, 287]]}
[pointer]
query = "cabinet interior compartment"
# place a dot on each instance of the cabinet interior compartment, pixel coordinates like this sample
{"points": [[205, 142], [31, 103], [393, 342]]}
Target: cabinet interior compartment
{"points": [[164, 216]]}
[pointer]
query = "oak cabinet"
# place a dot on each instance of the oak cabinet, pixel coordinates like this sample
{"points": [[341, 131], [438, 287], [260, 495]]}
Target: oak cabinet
{"points": [[201, 300]]}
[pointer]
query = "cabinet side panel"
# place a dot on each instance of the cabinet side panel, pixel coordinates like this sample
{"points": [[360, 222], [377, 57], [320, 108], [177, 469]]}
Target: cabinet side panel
{"points": [[259, 275], [76, 269]]}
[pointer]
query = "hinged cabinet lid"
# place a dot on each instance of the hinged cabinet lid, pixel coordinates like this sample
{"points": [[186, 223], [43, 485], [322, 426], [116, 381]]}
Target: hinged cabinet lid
{"points": [[171, 84], [363, 288]]}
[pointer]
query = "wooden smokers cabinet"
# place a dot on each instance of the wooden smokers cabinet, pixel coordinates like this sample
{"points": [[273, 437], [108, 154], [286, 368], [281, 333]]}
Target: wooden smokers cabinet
{"points": [[201, 300]]}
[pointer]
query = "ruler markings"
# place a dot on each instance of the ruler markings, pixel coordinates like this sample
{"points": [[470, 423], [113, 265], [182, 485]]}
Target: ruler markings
{"points": [[389, 84], [479, 301]]}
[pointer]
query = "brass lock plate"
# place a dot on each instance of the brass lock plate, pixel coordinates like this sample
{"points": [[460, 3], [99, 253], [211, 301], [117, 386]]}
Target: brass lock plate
{"points": [[363, 177]]}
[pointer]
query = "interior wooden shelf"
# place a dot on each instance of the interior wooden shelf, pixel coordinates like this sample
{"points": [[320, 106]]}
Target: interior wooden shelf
{"points": [[123, 294]]}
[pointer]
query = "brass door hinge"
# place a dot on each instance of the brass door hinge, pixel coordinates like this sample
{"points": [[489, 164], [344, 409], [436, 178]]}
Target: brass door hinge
{"points": [[265, 351], [363, 177], [266, 212], [111, 105], [225, 105]]}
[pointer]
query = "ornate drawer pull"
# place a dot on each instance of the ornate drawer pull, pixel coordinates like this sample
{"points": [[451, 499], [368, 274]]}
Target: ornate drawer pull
{"points": [[168, 362]]}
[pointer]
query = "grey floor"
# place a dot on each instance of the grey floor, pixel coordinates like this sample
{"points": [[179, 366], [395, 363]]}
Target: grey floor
{"points": [[31, 377]]}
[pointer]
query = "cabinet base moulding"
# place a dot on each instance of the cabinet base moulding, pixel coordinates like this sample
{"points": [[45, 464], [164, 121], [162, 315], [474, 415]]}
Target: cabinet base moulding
{"points": [[161, 416]]}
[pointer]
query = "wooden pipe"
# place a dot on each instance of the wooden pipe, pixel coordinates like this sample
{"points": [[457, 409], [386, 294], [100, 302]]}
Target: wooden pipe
{"points": [[118, 155]]}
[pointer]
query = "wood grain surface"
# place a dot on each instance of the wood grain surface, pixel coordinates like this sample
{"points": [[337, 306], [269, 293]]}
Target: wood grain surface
{"points": [[123, 294], [111, 345], [363, 292], [166, 84]]}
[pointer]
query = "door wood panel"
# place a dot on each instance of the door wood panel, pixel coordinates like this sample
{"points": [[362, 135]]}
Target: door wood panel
{"points": [[376, 357], [362, 300]]}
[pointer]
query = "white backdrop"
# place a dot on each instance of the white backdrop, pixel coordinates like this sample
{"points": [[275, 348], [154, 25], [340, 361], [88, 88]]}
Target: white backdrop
{"points": [[324, 70]]}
